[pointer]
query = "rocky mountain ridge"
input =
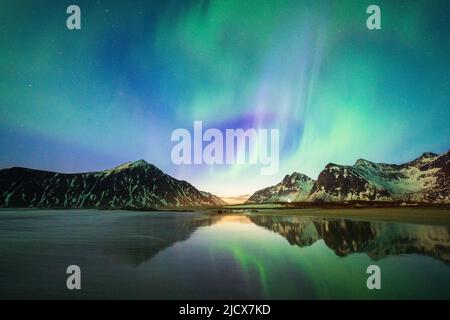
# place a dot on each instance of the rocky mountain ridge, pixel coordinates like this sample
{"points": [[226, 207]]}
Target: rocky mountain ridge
{"points": [[131, 185], [425, 179]]}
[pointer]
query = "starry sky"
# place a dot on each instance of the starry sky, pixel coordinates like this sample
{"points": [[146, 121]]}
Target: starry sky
{"points": [[114, 91]]}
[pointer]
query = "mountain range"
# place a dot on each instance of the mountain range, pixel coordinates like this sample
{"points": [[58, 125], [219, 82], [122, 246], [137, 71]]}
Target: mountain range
{"points": [[131, 185], [141, 185], [425, 179]]}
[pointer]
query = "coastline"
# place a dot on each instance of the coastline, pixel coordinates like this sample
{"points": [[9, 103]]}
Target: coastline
{"points": [[422, 215], [419, 213]]}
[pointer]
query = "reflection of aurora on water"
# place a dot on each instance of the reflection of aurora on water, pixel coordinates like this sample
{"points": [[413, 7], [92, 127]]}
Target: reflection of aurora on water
{"points": [[234, 256], [326, 253], [342, 236], [376, 239]]}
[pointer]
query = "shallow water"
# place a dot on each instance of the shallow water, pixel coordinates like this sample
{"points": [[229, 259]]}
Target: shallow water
{"points": [[164, 255]]}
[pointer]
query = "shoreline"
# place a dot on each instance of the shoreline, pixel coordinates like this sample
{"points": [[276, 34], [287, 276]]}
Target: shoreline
{"points": [[420, 215], [416, 214]]}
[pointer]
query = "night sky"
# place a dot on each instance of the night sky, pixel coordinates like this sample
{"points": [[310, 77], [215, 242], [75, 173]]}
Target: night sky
{"points": [[114, 91]]}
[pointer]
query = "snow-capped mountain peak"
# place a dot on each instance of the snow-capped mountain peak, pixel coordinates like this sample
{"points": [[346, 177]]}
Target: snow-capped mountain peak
{"points": [[137, 184], [425, 179], [294, 187]]}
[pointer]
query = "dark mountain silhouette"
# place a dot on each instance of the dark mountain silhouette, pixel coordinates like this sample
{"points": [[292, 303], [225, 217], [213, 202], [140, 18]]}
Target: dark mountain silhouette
{"points": [[131, 185]]}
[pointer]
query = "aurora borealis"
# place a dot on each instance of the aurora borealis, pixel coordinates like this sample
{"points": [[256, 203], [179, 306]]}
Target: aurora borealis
{"points": [[90, 99]]}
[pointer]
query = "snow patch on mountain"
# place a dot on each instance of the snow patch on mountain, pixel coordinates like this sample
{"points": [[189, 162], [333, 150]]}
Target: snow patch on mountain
{"points": [[425, 179], [293, 188], [133, 184]]}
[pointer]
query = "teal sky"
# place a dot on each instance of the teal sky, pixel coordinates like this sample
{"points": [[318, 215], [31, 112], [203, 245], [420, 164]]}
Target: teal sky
{"points": [[114, 91]]}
